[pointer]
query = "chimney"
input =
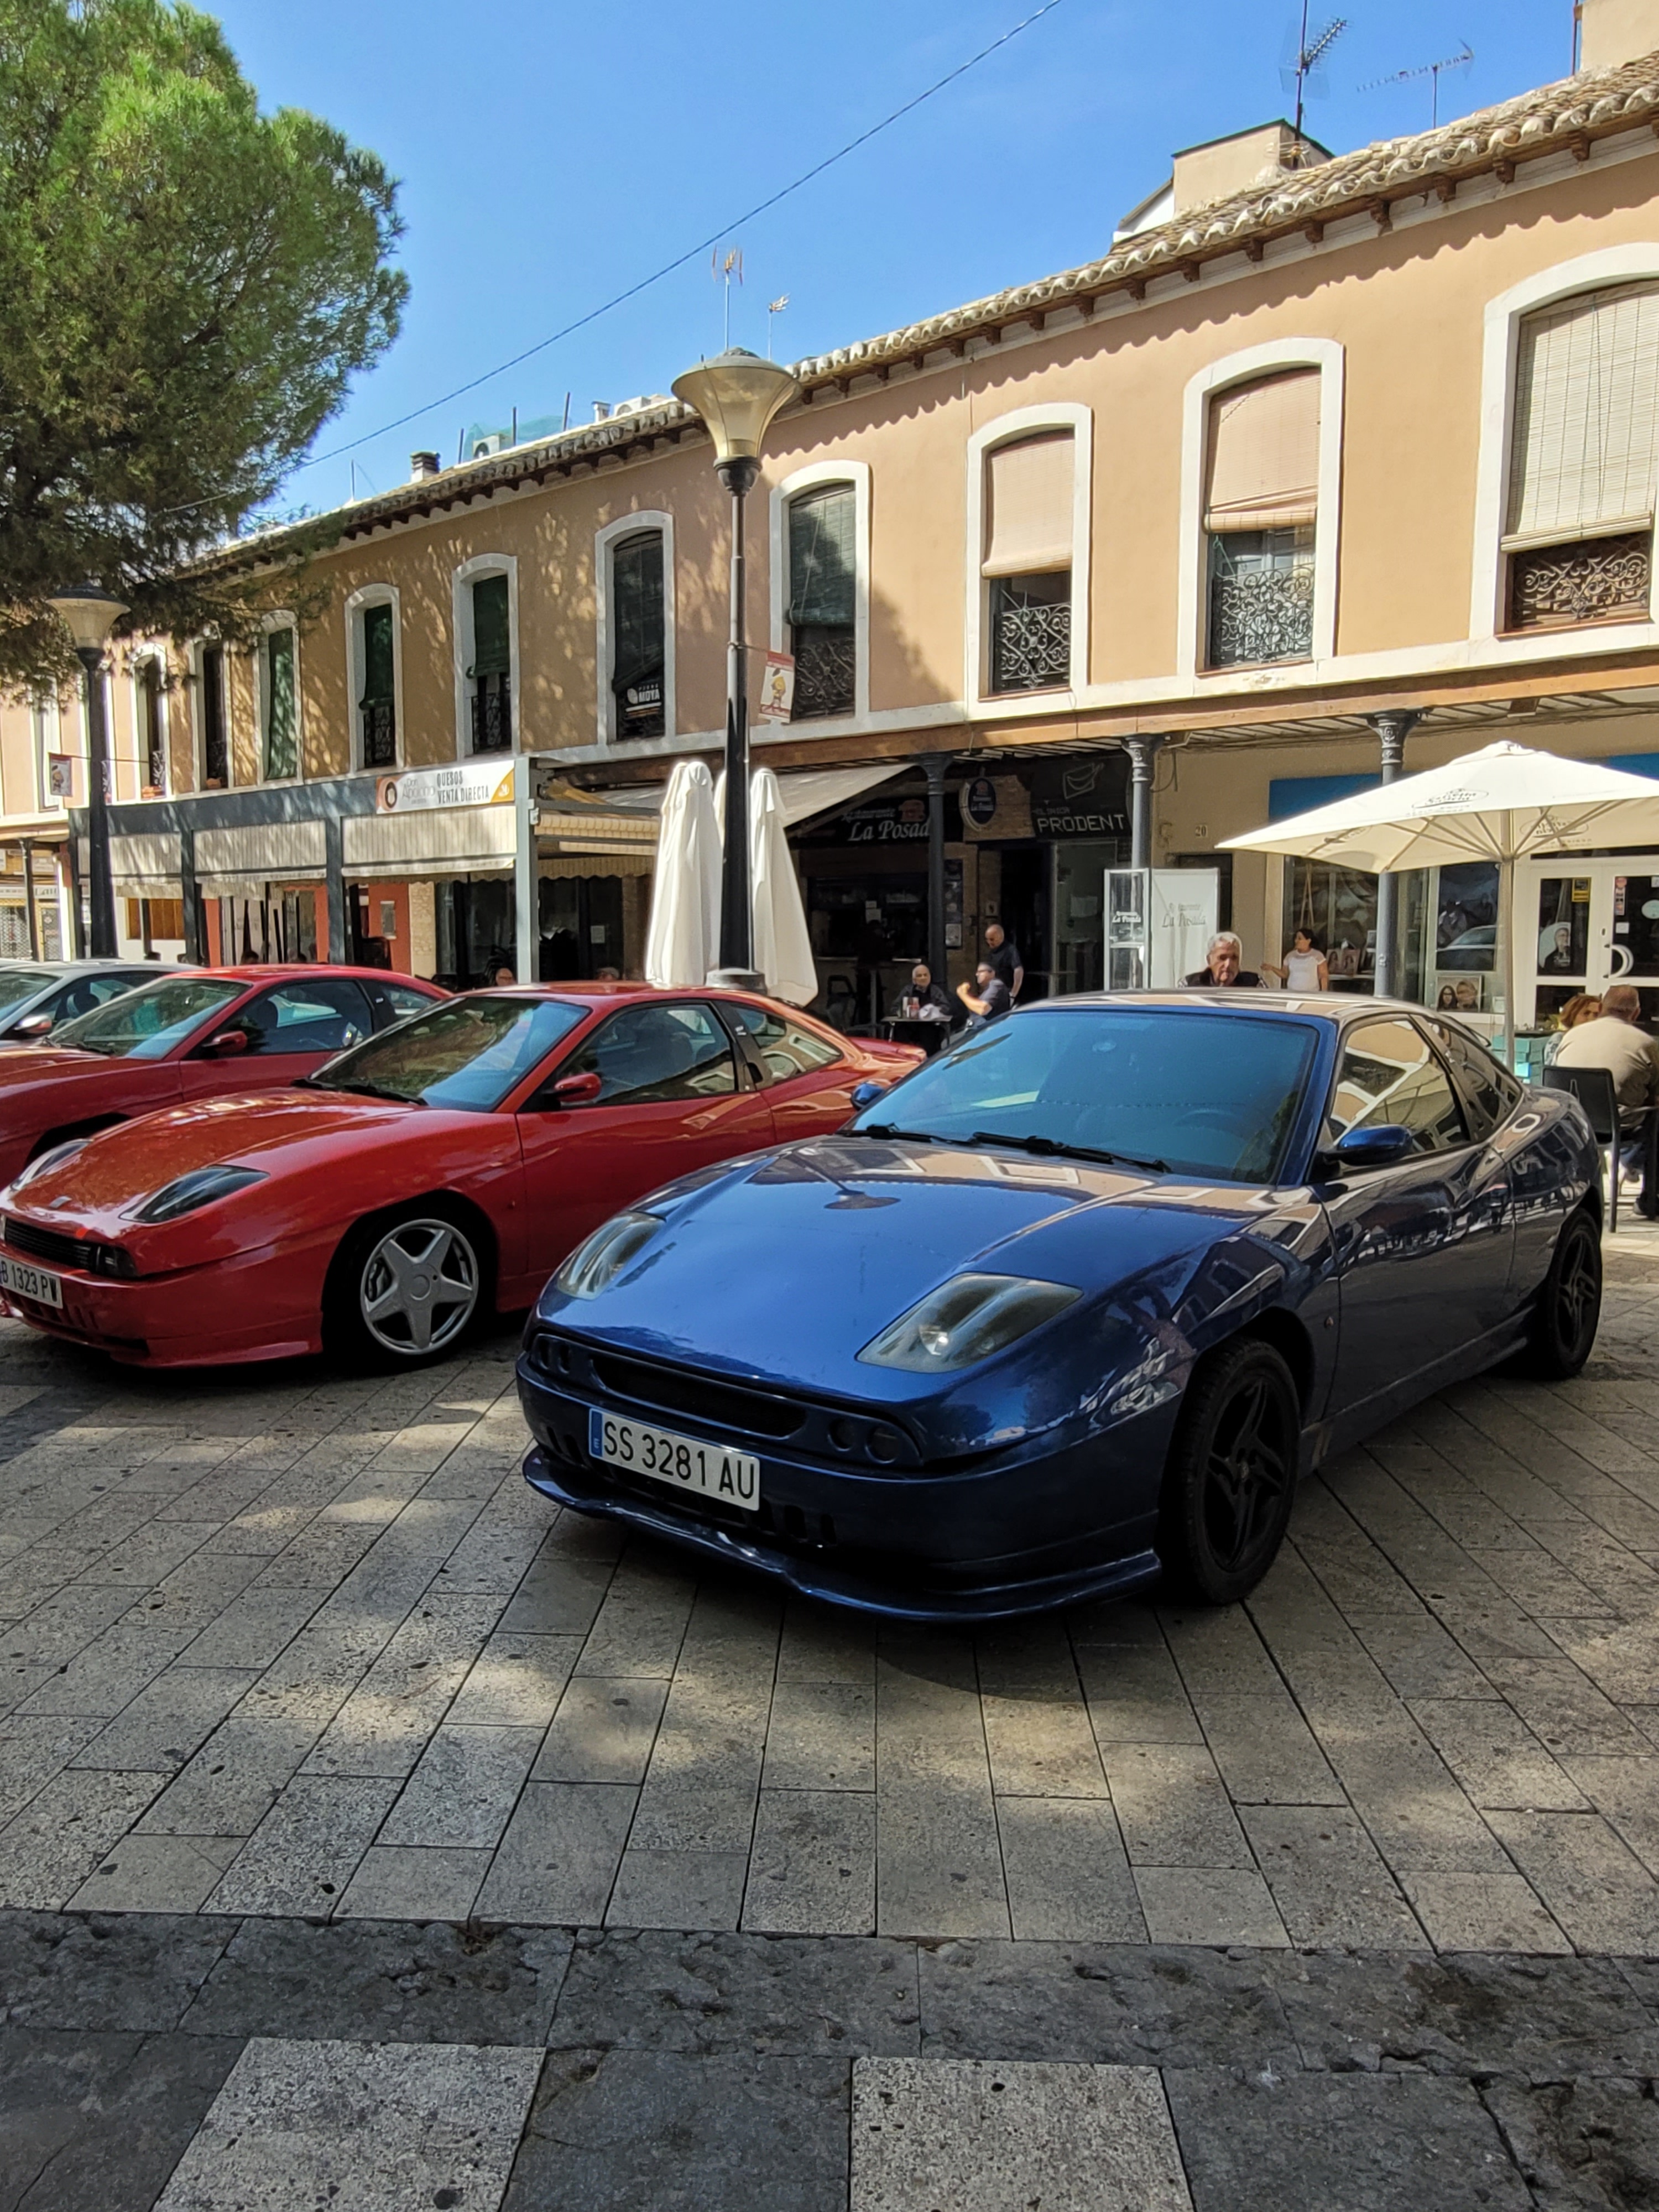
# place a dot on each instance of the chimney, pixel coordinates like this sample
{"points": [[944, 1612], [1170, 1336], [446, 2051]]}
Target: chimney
{"points": [[1226, 166], [601, 411], [1614, 31], [422, 465]]}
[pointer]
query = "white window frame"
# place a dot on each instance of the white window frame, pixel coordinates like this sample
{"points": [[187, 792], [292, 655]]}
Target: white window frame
{"points": [[366, 596], [199, 714], [1589, 272], [811, 478], [1008, 429], [630, 526], [283, 619], [461, 581], [1192, 595], [140, 655]]}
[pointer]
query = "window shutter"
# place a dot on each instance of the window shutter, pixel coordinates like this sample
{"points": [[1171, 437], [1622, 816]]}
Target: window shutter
{"points": [[281, 727], [377, 656], [636, 600], [823, 558], [1586, 417], [490, 655], [1263, 471], [1029, 497]]}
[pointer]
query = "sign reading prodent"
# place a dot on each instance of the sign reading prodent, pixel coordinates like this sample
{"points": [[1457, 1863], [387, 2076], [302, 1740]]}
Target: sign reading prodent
{"points": [[480, 784]]}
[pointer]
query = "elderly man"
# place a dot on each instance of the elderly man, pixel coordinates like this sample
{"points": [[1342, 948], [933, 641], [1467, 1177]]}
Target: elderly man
{"points": [[1222, 970], [1614, 1042]]}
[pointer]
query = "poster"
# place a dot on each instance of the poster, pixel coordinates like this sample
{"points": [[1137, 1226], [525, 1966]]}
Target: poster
{"points": [[777, 695]]}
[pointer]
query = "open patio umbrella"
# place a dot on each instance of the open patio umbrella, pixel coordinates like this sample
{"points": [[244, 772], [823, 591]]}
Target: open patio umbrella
{"points": [[1503, 804], [683, 939]]}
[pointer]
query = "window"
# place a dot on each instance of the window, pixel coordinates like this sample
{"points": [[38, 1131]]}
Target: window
{"points": [[1579, 525], [401, 999], [147, 1025], [1388, 1076], [325, 1016], [1028, 499], [1260, 509], [823, 609], [639, 636], [490, 675], [86, 992], [282, 713], [216, 748], [651, 1055], [152, 731], [467, 1054], [377, 706], [1491, 1094], [786, 1048]]}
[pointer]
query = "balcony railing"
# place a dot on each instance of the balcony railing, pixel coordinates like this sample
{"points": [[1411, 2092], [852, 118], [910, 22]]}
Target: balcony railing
{"points": [[1598, 579], [826, 671], [1261, 614], [1031, 647], [379, 733], [492, 716]]}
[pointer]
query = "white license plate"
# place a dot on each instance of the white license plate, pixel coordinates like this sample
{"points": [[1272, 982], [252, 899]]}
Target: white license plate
{"points": [[729, 1478], [21, 1281]]}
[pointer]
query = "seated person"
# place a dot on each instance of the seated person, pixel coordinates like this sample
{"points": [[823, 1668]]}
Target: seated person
{"points": [[987, 998], [924, 1000], [1222, 970], [1613, 1041]]}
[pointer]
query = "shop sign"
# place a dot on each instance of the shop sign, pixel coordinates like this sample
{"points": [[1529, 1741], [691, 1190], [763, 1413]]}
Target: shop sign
{"points": [[886, 822], [467, 784], [1081, 798], [777, 694], [979, 802]]}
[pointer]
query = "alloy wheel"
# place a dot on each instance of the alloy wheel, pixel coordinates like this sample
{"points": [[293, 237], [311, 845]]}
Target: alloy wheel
{"points": [[418, 1287], [1248, 1472], [1578, 1291]]}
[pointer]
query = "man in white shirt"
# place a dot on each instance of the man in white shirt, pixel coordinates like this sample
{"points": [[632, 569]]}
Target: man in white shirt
{"points": [[1614, 1042]]}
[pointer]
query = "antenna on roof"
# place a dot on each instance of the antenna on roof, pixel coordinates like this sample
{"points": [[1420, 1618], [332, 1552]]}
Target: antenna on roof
{"points": [[1303, 70], [1430, 69], [723, 270]]}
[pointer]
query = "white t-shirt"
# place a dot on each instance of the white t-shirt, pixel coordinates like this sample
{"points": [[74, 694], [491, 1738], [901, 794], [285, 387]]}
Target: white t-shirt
{"points": [[1302, 970]]}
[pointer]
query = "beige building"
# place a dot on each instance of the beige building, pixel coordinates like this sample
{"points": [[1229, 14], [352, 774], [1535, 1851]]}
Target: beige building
{"points": [[1324, 457]]}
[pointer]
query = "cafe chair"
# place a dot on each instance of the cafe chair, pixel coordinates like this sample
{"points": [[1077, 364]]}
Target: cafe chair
{"points": [[841, 1002], [1592, 1087]]}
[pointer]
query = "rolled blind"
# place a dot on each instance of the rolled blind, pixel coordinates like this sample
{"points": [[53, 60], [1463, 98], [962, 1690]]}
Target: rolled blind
{"points": [[377, 656], [823, 558], [1029, 501], [1262, 470], [637, 603], [490, 655], [1586, 415], [281, 727]]}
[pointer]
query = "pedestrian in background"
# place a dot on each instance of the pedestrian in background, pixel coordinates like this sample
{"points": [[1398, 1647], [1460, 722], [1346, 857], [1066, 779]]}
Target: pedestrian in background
{"points": [[1002, 955], [1612, 1040], [987, 998]]}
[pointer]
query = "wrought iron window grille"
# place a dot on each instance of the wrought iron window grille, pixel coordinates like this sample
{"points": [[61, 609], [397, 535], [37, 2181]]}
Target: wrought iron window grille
{"points": [[1598, 579], [492, 714], [1262, 600], [826, 671], [1030, 633], [379, 733]]}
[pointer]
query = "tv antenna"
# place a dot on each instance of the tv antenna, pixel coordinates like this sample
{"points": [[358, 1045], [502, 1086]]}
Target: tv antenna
{"points": [[1304, 70], [774, 307], [1430, 69], [723, 268]]}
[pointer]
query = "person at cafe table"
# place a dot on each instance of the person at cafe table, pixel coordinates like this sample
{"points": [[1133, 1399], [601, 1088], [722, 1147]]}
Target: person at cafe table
{"points": [[1612, 1040], [924, 1000], [1221, 968]]}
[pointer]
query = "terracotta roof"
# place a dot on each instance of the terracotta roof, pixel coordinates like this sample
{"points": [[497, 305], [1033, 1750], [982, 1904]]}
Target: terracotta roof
{"points": [[1569, 116]]}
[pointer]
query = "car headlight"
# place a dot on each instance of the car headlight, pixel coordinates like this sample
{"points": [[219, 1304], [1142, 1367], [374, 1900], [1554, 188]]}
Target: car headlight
{"points": [[965, 1319], [593, 1266], [201, 1187]]}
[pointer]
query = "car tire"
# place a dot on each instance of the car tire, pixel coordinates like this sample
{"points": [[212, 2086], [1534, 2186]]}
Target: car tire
{"points": [[1230, 1481], [1568, 1309], [406, 1287]]}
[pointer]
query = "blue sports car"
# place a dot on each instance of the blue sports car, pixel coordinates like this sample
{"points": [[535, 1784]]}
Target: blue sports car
{"points": [[1071, 1306]]}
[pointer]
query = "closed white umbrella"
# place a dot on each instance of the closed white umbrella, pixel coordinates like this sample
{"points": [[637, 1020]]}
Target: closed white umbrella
{"points": [[1501, 804], [783, 945], [682, 943]]}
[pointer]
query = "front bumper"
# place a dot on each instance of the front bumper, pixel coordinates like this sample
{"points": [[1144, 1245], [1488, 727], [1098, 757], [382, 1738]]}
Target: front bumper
{"points": [[255, 1306], [1019, 1533]]}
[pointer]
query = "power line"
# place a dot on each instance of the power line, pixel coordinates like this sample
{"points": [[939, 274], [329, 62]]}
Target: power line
{"points": [[691, 253]]}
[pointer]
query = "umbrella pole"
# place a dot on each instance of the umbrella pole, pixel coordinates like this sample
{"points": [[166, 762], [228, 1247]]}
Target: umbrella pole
{"points": [[1506, 907]]}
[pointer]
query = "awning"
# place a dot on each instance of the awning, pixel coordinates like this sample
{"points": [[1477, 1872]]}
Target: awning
{"points": [[441, 840], [241, 861], [145, 867], [806, 792]]}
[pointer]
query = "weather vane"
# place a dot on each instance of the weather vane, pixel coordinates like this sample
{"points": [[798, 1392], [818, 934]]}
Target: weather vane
{"points": [[723, 268]]}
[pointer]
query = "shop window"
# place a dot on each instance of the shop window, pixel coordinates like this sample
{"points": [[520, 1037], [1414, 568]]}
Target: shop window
{"points": [[282, 709], [1389, 1075], [152, 728], [823, 609], [652, 1055], [490, 675], [638, 636], [216, 740], [1578, 533], [1261, 511], [377, 705], [1027, 565]]}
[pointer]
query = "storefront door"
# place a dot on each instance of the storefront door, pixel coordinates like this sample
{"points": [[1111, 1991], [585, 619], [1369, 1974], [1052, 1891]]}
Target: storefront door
{"points": [[1582, 925]]}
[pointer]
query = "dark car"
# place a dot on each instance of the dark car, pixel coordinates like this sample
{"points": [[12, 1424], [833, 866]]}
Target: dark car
{"points": [[1072, 1306]]}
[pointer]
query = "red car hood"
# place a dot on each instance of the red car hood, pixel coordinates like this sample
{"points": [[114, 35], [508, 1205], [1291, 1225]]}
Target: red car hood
{"points": [[43, 1063]]}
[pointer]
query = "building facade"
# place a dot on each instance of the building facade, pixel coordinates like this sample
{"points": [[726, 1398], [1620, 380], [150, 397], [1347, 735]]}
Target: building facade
{"points": [[1327, 461]]}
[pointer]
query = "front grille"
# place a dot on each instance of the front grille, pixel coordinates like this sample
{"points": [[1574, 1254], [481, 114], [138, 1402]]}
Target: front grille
{"points": [[50, 1244], [727, 1405]]}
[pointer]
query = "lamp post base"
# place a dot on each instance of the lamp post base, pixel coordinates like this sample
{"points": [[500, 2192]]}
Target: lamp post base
{"points": [[735, 979]]}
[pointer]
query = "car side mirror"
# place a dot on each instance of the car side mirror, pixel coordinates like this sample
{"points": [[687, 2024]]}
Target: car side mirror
{"points": [[865, 1094], [1380, 1144], [32, 1026], [226, 1045], [581, 1089]]}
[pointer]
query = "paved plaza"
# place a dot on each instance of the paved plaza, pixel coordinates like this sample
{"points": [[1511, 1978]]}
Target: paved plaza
{"points": [[371, 1834]]}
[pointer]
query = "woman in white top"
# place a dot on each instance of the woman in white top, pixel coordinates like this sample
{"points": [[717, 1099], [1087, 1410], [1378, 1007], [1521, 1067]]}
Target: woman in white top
{"points": [[1304, 968]]}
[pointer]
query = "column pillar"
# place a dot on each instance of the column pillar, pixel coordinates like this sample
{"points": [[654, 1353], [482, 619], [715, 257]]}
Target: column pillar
{"points": [[1143, 756], [195, 935], [935, 765], [526, 920], [30, 915], [339, 942], [1393, 727]]}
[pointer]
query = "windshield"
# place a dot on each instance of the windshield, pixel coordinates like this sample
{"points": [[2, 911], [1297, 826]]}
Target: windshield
{"points": [[17, 983], [1205, 1095], [468, 1052], [146, 1024]]}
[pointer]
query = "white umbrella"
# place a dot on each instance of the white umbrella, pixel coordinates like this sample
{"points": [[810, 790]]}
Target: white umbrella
{"points": [[1501, 804], [683, 941], [783, 947]]}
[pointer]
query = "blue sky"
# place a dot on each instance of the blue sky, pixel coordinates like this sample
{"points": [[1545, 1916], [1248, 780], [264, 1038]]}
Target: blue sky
{"points": [[551, 154]]}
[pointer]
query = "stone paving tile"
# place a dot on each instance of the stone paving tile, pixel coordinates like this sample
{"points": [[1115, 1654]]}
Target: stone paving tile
{"points": [[157, 1873], [558, 1859], [118, 1973], [406, 1882], [1327, 1881], [304, 1851], [813, 1866], [604, 1731], [462, 1794], [1597, 1889], [48, 1849], [1067, 1872]]}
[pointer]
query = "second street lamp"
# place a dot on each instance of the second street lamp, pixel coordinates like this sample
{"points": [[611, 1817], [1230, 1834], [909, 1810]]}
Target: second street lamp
{"points": [[737, 394], [89, 614]]}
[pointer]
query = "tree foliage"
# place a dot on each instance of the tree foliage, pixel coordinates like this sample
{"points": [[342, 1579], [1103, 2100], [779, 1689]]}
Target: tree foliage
{"points": [[187, 287]]}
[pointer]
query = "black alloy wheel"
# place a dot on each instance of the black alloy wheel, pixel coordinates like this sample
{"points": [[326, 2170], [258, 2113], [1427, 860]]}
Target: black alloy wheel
{"points": [[1568, 1310], [1230, 1480]]}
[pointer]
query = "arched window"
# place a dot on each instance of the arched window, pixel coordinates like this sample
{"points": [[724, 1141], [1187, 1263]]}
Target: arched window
{"points": [[821, 610], [149, 687], [213, 717], [638, 636], [373, 652], [279, 702], [1031, 488], [1261, 520], [487, 652]]}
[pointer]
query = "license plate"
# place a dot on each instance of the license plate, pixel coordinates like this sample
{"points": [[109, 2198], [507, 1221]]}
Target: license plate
{"points": [[21, 1281], [729, 1478]]}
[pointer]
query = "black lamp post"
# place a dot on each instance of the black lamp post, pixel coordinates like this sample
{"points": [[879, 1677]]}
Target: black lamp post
{"points": [[737, 394], [90, 614]]}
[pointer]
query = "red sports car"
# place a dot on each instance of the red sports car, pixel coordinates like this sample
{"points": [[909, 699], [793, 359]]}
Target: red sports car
{"points": [[420, 1178], [189, 1035]]}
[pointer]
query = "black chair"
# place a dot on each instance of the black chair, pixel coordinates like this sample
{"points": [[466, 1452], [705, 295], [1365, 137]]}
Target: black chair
{"points": [[1592, 1087], [841, 1002]]}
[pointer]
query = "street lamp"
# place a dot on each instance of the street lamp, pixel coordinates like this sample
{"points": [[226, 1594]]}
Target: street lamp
{"points": [[90, 614], [737, 394]]}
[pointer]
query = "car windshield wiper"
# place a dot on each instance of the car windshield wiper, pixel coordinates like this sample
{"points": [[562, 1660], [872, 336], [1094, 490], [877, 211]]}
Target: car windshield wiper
{"points": [[1051, 1148], [892, 1129]]}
